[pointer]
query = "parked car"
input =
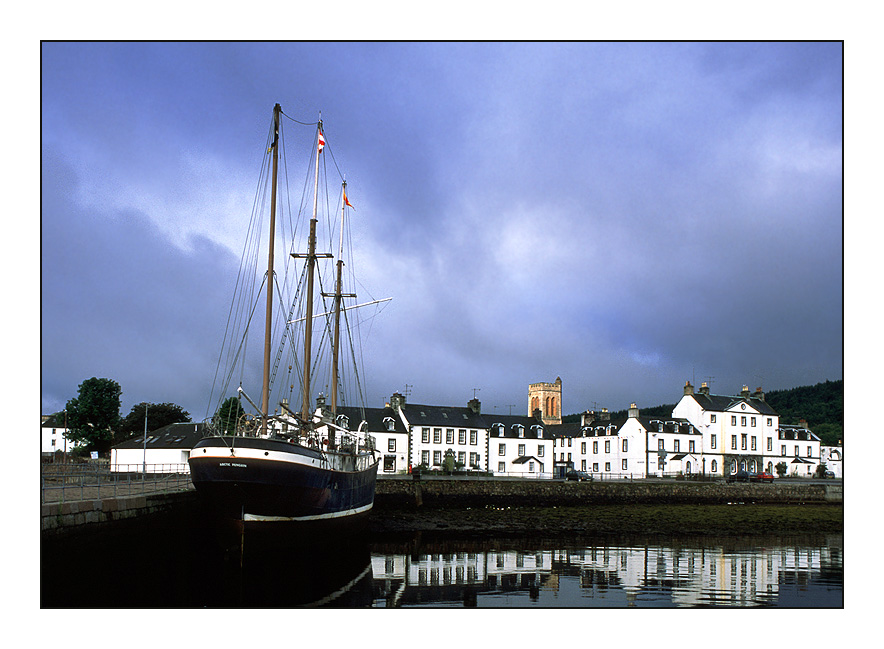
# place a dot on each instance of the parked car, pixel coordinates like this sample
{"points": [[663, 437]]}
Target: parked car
{"points": [[761, 477], [829, 474], [579, 476], [739, 476]]}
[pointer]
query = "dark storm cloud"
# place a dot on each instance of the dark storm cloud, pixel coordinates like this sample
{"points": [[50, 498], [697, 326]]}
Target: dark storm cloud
{"points": [[625, 216]]}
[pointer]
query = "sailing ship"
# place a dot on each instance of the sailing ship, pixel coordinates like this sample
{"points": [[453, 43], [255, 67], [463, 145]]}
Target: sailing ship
{"points": [[285, 465]]}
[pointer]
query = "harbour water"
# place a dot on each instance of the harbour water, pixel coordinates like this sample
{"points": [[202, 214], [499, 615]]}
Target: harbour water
{"points": [[183, 562]]}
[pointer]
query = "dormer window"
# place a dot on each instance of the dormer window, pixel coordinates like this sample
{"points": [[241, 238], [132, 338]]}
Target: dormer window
{"points": [[343, 422], [389, 423]]}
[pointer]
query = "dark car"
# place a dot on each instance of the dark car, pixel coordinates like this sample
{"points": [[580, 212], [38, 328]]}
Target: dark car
{"points": [[761, 477], [579, 476], [829, 474], [739, 476]]}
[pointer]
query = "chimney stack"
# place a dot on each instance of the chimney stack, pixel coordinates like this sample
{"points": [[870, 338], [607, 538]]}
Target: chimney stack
{"points": [[704, 388], [759, 394], [474, 405], [633, 409], [688, 388], [397, 401], [745, 391], [586, 418]]}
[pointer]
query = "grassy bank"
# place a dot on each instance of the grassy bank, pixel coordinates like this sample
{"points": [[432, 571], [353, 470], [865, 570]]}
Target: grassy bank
{"points": [[668, 520]]}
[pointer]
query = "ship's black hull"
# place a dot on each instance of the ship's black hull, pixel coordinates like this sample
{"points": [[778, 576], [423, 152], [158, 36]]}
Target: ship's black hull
{"points": [[267, 482]]}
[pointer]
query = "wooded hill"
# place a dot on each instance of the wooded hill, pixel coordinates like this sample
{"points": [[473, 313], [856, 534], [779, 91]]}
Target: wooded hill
{"points": [[820, 405]]}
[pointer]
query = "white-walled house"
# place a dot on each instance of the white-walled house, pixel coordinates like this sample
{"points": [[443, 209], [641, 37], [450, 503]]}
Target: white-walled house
{"points": [[434, 431], [833, 457], [518, 447], [739, 433], [53, 437], [388, 431], [166, 450]]}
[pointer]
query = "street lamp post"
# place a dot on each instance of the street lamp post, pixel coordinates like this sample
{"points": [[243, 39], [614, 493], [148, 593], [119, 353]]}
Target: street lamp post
{"points": [[144, 462]]}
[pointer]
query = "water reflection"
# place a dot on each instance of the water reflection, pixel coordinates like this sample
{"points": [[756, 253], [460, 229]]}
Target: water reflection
{"points": [[804, 572]]}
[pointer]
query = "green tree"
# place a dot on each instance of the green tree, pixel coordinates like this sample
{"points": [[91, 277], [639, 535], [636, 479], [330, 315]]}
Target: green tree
{"points": [[228, 415], [158, 415], [94, 414], [781, 468]]}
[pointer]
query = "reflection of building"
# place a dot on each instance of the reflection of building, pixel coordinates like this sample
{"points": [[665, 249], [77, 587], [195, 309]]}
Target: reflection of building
{"points": [[681, 576]]}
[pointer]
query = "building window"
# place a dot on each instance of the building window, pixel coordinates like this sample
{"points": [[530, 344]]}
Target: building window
{"points": [[595, 447], [595, 467], [607, 467], [449, 436], [437, 435], [501, 449], [461, 436], [624, 465], [675, 446], [796, 450], [712, 419], [769, 421], [733, 420], [742, 421], [660, 445], [501, 467], [540, 450], [437, 457], [752, 421], [474, 460], [583, 448], [583, 465], [743, 442], [770, 443], [783, 450], [714, 466], [607, 446], [425, 435], [425, 458], [569, 457], [714, 442], [809, 451], [462, 457], [474, 437], [690, 446], [391, 444], [733, 442], [530, 467], [389, 463], [753, 443], [521, 450], [625, 446], [569, 441]]}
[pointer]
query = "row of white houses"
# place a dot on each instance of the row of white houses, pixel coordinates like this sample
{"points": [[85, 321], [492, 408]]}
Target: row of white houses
{"points": [[707, 434]]}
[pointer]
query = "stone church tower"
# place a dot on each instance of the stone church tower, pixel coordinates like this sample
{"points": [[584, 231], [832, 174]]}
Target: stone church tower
{"points": [[546, 398]]}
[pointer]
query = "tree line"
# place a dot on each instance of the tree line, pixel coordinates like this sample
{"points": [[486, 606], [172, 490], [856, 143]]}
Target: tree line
{"points": [[93, 417]]}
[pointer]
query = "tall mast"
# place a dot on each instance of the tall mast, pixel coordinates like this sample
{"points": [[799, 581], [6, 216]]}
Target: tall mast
{"points": [[338, 295], [265, 393], [311, 265]]}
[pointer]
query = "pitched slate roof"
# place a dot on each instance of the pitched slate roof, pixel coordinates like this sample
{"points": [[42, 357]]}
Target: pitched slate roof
{"points": [[443, 416], [183, 435], [375, 418], [723, 403], [510, 424]]}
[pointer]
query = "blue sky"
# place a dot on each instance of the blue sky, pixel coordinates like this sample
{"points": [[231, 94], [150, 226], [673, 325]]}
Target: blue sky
{"points": [[626, 216]]}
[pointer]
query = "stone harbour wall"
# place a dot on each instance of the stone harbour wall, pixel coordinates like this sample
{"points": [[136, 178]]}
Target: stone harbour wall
{"points": [[71, 517], [460, 492]]}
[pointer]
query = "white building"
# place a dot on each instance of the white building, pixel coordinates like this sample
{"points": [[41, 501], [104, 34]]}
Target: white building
{"points": [[833, 457], [388, 431], [53, 436], [436, 431], [518, 446], [166, 450]]}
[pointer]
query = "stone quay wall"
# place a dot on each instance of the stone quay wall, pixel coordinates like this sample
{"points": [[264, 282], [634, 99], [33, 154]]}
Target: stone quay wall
{"points": [[471, 492], [88, 515]]}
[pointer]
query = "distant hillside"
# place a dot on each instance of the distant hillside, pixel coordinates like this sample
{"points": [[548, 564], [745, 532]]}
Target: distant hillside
{"points": [[821, 405]]}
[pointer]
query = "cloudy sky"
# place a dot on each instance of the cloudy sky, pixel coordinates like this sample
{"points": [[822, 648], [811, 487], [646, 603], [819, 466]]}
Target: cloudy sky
{"points": [[623, 216]]}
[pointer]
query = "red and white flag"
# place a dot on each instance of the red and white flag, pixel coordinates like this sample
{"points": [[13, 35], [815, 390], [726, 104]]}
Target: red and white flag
{"points": [[321, 141], [346, 202]]}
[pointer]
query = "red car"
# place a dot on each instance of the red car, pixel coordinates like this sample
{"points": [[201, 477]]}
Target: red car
{"points": [[761, 477]]}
